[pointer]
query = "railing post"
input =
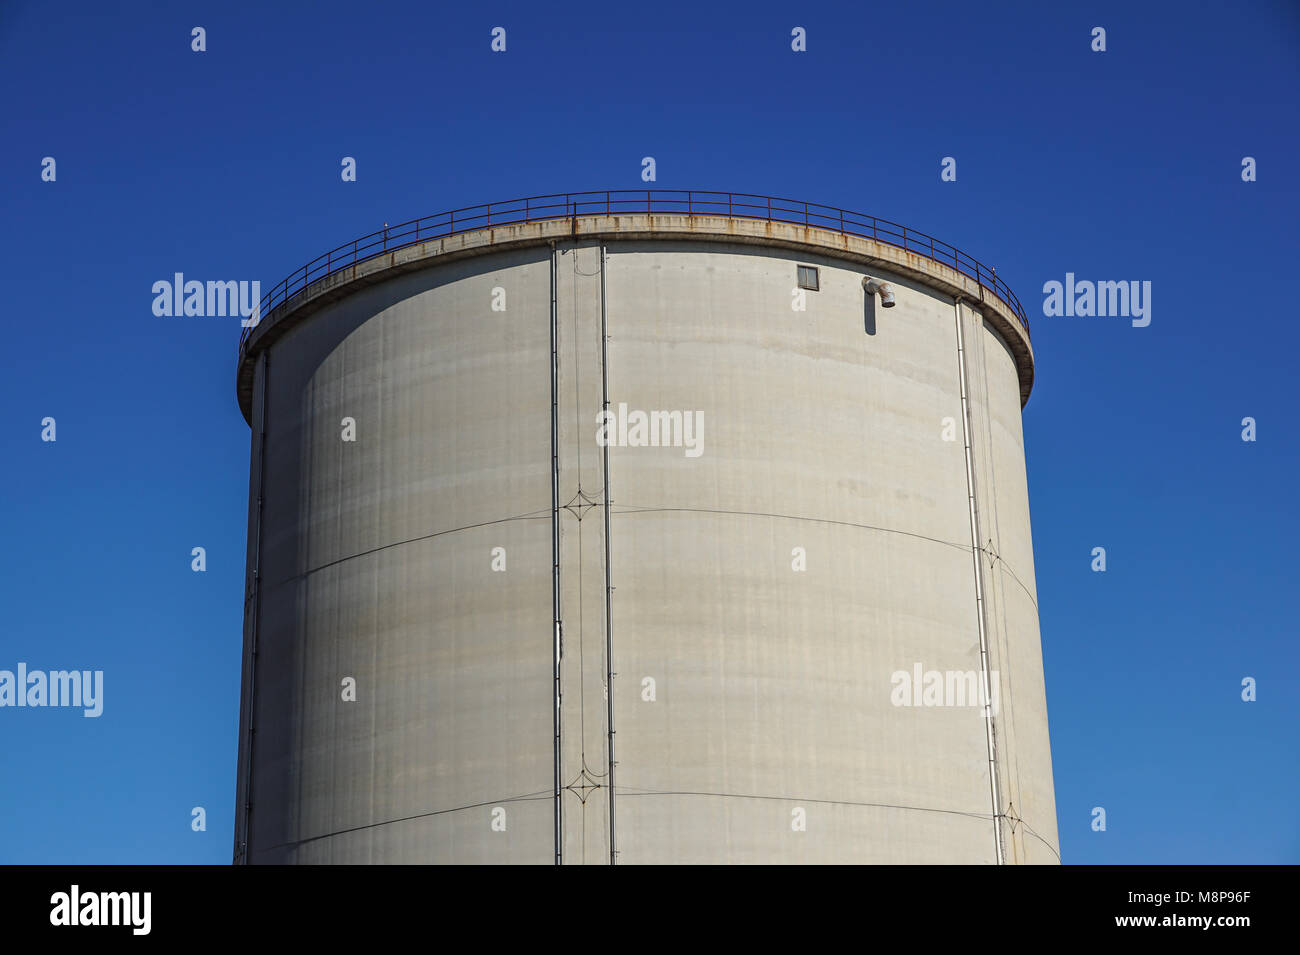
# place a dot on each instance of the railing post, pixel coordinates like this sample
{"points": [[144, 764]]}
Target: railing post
{"points": [[286, 290]]}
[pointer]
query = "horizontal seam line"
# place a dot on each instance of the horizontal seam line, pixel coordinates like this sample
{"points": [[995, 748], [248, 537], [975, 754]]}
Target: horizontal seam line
{"points": [[632, 509], [541, 794], [827, 802], [533, 516]]}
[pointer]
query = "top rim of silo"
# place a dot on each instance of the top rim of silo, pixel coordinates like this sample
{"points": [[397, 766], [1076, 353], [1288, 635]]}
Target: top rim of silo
{"points": [[636, 214]]}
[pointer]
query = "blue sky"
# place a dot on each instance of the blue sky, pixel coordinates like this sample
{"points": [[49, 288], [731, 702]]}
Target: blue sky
{"points": [[1117, 165]]}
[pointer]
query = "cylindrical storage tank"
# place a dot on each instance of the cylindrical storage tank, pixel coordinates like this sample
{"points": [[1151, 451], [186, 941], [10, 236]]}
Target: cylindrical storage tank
{"points": [[635, 529]]}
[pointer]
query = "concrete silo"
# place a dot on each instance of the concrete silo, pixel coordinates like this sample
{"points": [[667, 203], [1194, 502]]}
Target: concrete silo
{"points": [[756, 624]]}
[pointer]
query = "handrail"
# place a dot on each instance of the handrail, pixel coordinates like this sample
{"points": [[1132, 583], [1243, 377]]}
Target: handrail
{"points": [[737, 205]]}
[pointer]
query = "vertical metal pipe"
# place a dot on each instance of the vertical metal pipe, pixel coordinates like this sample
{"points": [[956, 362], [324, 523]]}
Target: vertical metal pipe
{"points": [[609, 630], [256, 612], [976, 552], [557, 648]]}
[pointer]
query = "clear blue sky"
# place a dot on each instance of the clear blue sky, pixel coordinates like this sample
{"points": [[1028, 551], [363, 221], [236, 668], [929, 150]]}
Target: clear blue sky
{"points": [[1120, 165]]}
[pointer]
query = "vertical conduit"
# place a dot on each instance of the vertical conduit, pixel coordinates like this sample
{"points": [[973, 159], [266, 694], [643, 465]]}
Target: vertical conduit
{"points": [[609, 633], [557, 647], [979, 584], [998, 588], [256, 598]]}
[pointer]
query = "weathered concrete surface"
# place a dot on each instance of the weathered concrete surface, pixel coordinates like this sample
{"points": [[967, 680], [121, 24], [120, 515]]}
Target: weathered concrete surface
{"points": [[1008, 560], [824, 430], [776, 235], [377, 566]]}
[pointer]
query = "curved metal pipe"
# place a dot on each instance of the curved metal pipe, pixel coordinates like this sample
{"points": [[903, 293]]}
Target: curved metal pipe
{"points": [[874, 286]]}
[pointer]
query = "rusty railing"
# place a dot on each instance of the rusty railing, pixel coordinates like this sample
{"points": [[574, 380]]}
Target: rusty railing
{"points": [[568, 205]]}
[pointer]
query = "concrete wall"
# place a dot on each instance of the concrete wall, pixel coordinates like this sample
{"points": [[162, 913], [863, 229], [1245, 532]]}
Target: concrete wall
{"points": [[1025, 764], [823, 429], [376, 566]]}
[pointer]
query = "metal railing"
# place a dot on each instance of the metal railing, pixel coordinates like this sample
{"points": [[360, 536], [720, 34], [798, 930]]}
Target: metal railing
{"points": [[569, 205]]}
